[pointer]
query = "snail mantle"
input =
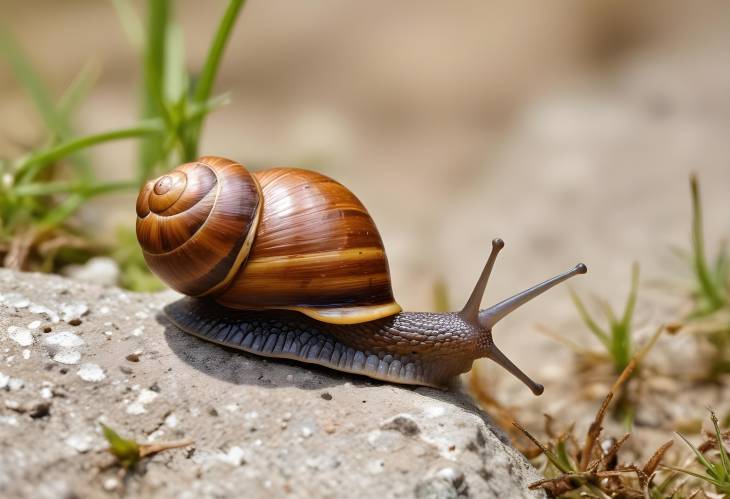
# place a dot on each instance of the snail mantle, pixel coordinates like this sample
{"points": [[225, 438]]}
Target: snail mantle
{"points": [[76, 354]]}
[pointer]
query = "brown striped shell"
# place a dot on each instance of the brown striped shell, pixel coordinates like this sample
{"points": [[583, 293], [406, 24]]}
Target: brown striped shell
{"points": [[283, 238]]}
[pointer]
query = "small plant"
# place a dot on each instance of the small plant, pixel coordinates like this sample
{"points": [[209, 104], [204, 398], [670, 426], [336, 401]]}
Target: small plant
{"points": [[717, 472], [712, 283], [710, 290], [617, 337], [129, 453], [41, 190], [592, 468]]}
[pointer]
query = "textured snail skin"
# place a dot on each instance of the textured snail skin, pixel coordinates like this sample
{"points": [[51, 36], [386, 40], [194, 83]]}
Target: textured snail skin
{"points": [[414, 348]]}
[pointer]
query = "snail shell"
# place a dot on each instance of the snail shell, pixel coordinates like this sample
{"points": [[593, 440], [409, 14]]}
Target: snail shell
{"points": [[283, 238]]}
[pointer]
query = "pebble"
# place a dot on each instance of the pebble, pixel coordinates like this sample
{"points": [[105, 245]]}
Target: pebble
{"points": [[171, 421], [433, 411], [69, 357], [63, 339], [376, 466], [20, 335], [110, 484], [71, 311], [81, 442], [91, 372], [307, 432], [134, 356], [15, 300], [4, 380], [234, 456], [26, 354], [34, 325], [46, 392], [15, 384], [42, 310], [100, 270]]}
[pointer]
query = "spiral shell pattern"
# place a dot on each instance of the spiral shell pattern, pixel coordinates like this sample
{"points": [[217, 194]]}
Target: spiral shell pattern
{"points": [[196, 224], [283, 238]]}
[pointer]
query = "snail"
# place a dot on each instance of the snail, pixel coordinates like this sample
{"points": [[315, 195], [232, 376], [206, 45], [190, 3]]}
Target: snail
{"points": [[288, 263]]}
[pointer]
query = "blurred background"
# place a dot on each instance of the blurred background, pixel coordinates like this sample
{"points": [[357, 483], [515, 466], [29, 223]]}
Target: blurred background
{"points": [[567, 129]]}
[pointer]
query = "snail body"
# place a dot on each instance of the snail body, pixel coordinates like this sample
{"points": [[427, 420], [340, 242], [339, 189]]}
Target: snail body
{"points": [[288, 263]]}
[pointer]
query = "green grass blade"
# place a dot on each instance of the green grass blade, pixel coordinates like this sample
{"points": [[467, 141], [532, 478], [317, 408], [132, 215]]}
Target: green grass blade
{"points": [[206, 79], [152, 96], [700, 457], [29, 167], [588, 320], [698, 244], [696, 475], [175, 76], [36, 189], [30, 80], [61, 212], [130, 21], [724, 459], [631, 300], [77, 91], [55, 118]]}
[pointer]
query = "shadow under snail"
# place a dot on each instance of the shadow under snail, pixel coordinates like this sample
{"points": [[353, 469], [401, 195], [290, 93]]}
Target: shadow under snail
{"points": [[288, 263]]}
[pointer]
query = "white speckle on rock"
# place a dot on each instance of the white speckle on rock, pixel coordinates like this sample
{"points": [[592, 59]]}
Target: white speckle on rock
{"points": [[15, 300], [108, 333], [71, 311], [81, 442], [375, 467], [15, 384], [141, 315], [4, 380], [43, 310], [171, 421], [69, 357], [104, 310], [63, 339], [9, 420], [231, 407], [306, 432], [433, 411], [110, 484], [138, 331], [138, 406], [91, 372], [234, 457], [20, 335], [26, 354], [46, 392], [34, 325]]}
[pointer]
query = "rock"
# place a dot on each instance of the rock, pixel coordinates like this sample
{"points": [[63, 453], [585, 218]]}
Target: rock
{"points": [[100, 270], [273, 429]]}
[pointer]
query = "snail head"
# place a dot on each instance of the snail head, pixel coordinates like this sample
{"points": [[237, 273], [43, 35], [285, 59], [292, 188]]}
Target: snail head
{"points": [[484, 320]]}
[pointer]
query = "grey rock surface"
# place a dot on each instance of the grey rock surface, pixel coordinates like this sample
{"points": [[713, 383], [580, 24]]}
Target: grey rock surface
{"points": [[73, 355]]}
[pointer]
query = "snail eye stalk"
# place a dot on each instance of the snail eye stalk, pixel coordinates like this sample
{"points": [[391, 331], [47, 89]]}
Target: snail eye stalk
{"points": [[487, 318]]}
